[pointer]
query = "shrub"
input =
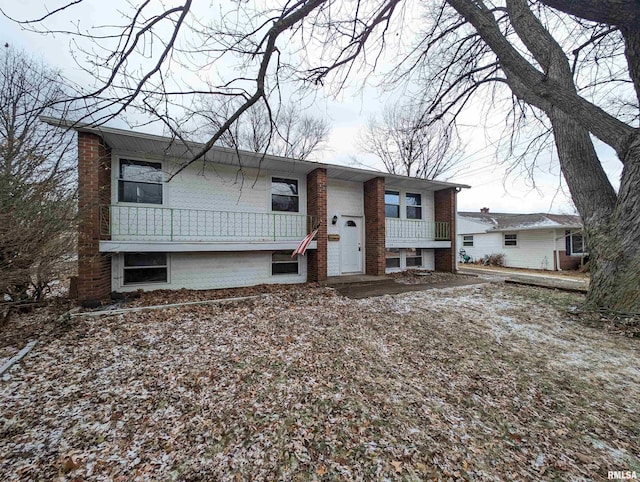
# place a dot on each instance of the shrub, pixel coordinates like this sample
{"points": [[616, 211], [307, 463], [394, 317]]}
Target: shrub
{"points": [[493, 259]]}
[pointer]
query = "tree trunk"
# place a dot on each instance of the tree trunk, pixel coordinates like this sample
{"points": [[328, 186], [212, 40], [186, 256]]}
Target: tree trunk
{"points": [[611, 223], [615, 278]]}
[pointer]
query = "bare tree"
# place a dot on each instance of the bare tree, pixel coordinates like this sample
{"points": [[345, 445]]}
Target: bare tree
{"points": [[410, 145], [286, 132], [36, 179], [539, 52]]}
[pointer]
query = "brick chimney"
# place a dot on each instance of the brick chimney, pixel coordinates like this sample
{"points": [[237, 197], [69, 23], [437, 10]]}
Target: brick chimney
{"points": [[484, 210]]}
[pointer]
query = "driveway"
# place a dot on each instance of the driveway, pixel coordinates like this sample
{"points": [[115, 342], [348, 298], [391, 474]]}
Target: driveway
{"points": [[542, 278]]}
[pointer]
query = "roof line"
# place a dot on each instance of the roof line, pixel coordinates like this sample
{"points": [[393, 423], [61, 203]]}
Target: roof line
{"points": [[85, 127]]}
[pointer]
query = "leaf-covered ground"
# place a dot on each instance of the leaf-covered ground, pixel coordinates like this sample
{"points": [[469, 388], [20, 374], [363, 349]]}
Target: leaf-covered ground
{"points": [[489, 382]]}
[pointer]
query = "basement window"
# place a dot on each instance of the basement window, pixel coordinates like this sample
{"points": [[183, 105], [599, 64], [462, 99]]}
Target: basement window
{"points": [[414, 258], [142, 268], [392, 256], [140, 182], [283, 263]]}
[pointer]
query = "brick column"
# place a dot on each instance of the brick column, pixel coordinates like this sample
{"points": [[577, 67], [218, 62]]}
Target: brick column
{"points": [[94, 189], [317, 206], [374, 226], [445, 211]]}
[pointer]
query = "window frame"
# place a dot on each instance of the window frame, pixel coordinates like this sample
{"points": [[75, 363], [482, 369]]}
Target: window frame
{"points": [[387, 258], [466, 241], [583, 251], [514, 240], [296, 196], [121, 180], [386, 204], [407, 258], [417, 207], [126, 268], [289, 261]]}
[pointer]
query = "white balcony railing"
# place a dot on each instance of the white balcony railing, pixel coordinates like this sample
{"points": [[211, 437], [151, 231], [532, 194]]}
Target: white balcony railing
{"points": [[416, 229], [143, 223]]}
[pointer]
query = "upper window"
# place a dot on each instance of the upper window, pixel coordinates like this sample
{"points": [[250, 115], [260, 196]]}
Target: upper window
{"points": [[467, 240], [140, 182], [414, 206], [283, 263], [145, 268], [284, 195], [511, 239], [392, 204]]}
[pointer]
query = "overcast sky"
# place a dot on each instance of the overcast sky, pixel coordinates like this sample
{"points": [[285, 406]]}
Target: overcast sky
{"points": [[347, 113]]}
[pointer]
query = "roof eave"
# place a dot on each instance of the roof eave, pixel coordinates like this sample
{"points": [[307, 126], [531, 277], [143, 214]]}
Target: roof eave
{"points": [[538, 228], [308, 166]]}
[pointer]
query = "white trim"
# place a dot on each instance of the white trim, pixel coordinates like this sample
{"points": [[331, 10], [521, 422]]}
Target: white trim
{"points": [[390, 191], [174, 247], [421, 243], [280, 275], [402, 193], [116, 157], [407, 257], [584, 244], [302, 188], [158, 284], [407, 206], [504, 240], [403, 259], [394, 269]]}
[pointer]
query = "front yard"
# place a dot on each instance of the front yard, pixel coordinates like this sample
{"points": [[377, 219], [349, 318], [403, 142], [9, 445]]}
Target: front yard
{"points": [[489, 382]]}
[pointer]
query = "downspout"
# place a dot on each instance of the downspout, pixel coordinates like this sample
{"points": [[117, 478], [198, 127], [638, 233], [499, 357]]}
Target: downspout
{"points": [[555, 249], [453, 231]]}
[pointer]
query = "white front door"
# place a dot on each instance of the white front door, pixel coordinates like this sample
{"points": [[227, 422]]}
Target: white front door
{"points": [[351, 245]]}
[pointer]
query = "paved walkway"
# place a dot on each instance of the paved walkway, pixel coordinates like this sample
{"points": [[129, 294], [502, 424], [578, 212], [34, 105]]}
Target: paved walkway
{"points": [[547, 280], [363, 286]]}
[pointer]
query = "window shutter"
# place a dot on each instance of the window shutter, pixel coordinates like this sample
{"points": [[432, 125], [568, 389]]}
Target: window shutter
{"points": [[567, 242]]}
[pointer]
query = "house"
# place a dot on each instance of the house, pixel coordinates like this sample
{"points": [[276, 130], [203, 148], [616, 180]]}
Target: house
{"points": [[145, 225], [534, 241]]}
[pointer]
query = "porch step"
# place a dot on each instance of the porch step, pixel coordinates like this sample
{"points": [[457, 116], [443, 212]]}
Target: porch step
{"points": [[354, 280]]}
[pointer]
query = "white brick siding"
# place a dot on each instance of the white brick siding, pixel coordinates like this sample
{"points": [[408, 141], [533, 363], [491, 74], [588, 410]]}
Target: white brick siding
{"points": [[213, 270], [215, 187]]}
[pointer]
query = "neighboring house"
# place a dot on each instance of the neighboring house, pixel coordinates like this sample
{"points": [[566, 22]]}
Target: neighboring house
{"points": [[534, 241], [215, 226]]}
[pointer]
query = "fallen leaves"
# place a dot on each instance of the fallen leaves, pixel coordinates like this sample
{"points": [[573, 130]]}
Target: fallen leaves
{"points": [[303, 384]]}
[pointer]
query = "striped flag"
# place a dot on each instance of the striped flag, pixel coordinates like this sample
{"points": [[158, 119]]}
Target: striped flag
{"points": [[304, 244]]}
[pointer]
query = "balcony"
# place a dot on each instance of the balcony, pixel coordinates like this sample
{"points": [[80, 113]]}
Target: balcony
{"points": [[195, 229], [411, 233]]}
